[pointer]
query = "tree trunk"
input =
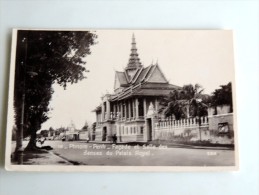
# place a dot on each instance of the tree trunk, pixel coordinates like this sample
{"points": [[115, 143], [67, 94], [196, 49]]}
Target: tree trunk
{"points": [[188, 110], [32, 143], [19, 138]]}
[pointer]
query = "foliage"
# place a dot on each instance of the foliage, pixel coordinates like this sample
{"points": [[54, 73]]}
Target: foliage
{"points": [[184, 102], [43, 58], [44, 133], [60, 130], [94, 126], [14, 130], [223, 96], [85, 127], [93, 130]]}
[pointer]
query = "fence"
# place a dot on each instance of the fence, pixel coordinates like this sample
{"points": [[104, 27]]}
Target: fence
{"points": [[184, 129], [169, 123]]}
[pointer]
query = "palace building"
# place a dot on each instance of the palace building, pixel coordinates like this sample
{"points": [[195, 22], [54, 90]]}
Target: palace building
{"points": [[129, 111]]}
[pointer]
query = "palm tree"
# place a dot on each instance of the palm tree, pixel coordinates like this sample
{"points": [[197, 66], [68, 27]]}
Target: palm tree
{"points": [[194, 100], [185, 102], [223, 96]]}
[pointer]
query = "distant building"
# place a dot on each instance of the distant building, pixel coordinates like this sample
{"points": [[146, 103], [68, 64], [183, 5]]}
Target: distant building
{"points": [[129, 110], [72, 134], [84, 133]]}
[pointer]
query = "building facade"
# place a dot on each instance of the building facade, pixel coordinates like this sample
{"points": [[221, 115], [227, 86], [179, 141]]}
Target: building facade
{"points": [[129, 112]]}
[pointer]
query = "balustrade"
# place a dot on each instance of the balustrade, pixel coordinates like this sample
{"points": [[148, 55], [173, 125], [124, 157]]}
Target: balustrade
{"points": [[169, 123], [118, 116]]}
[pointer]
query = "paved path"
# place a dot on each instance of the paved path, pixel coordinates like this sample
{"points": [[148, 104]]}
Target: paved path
{"points": [[48, 158], [44, 158]]}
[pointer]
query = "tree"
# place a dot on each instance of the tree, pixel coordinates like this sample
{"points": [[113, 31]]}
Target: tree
{"points": [[51, 131], [42, 59], [223, 96], [185, 102], [172, 105], [14, 130], [94, 129], [85, 127], [60, 130]]}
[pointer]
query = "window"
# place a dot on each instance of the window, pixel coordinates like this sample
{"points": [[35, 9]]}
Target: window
{"points": [[141, 130], [223, 128]]}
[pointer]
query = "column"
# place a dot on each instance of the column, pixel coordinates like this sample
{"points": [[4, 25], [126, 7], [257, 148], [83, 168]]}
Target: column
{"points": [[145, 107], [125, 109], [137, 107], [102, 113], [156, 105], [108, 109], [133, 109], [129, 107], [121, 110], [117, 109], [97, 120]]}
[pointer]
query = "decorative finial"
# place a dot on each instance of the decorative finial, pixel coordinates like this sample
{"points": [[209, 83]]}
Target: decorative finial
{"points": [[134, 61], [133, 43]]}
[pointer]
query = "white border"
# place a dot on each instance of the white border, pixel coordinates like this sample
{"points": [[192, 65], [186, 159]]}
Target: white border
{"points": [[89, 168]]}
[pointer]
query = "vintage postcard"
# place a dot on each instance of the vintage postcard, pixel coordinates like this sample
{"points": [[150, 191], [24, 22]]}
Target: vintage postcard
{"points": [[122, 100]]}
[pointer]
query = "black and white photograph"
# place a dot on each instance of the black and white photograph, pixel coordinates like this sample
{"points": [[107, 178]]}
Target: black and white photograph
{"points": [[121, 100]]}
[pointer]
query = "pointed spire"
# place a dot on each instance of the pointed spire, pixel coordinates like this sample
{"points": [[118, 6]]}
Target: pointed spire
{"points": [[134, 61], [157, 61], [133, 42]]}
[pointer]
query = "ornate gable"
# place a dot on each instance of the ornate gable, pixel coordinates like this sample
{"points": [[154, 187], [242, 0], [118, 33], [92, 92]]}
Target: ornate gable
{"points": [[156, 76], [120, 80], [116, 82]]}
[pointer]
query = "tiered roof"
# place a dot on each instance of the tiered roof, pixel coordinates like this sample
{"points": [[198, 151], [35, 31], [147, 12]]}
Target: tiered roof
{"points": [[145, 81], [134, 61]]}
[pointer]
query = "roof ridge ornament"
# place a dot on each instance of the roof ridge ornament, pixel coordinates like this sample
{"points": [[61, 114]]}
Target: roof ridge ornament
{"points": [[134, 61]]}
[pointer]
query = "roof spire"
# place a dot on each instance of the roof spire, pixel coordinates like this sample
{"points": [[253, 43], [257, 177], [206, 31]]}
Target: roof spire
{"points": [[134, 61], [157, 61], [133, 41]]}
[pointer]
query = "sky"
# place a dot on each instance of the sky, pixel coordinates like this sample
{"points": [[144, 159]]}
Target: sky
{"points": [[185, 57]]}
